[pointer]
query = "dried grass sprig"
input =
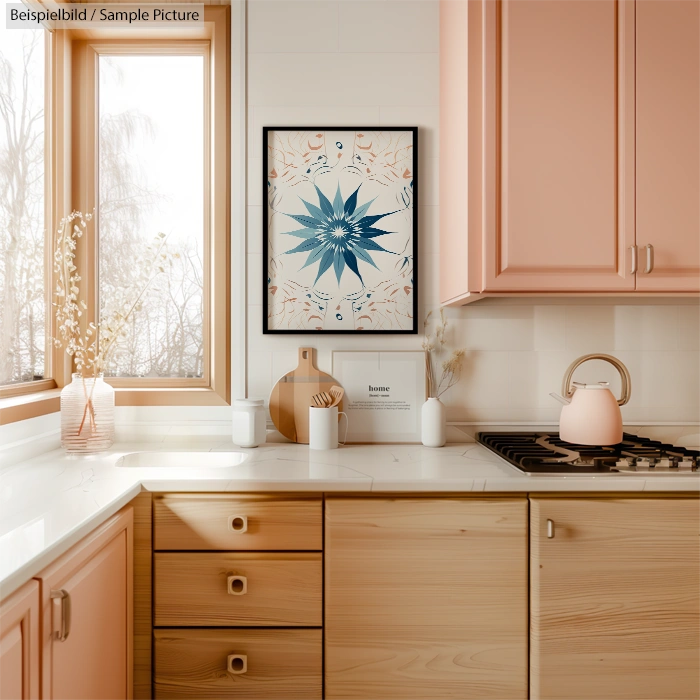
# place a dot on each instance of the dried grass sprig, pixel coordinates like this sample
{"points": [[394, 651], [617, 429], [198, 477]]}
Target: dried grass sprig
{"points": [[92, 345], [434, 344]]}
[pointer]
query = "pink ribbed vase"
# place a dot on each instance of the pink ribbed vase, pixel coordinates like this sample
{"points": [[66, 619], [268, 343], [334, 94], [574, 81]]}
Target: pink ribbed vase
{"points": [[87, 414]]}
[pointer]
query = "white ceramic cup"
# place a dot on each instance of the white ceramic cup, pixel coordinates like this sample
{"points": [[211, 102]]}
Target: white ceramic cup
{"points": [[323, 428]]}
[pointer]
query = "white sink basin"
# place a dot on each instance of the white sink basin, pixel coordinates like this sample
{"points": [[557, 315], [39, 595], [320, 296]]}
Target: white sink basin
{"points": [[191, 460]]}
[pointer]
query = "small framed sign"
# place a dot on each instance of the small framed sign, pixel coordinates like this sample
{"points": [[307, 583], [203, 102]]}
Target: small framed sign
{"points": [[384, 394], [340, 229]]}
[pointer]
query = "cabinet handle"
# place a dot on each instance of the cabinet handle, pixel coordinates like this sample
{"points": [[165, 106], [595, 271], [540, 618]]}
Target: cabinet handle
{"points": [[650, 259], [238, 524], [61, 604], [237, 585], [237, 664], [635, 259], [550, 529]]}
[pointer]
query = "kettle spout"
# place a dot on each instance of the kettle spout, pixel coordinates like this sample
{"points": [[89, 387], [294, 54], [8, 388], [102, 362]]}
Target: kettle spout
{"points": [[560, 399]]}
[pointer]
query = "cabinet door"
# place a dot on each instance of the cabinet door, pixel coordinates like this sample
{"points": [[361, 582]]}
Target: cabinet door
{"points": [[426, 598], [615, 599], [558, 139], [19, 644], [94, 660], [668, 143]]}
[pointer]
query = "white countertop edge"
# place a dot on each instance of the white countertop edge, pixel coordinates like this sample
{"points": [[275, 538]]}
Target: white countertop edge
{"points": [[48, 555]]}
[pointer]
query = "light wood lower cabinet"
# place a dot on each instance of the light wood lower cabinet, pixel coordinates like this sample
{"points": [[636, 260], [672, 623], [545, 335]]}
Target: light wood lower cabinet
{"points": [[426, 598], [615, 599], [232, 663], [230, 589], [86, 629], [19, 644]]}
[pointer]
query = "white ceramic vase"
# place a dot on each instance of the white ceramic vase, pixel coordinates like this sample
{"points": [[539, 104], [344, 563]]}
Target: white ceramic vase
{"points": [[433, 423]]}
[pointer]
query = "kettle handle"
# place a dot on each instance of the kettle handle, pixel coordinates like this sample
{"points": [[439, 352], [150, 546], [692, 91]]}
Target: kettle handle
{"points": [[626, 390]]}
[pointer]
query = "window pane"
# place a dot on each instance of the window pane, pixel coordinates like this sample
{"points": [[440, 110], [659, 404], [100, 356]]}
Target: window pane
{"points": [[151, 180], [22, 229]]}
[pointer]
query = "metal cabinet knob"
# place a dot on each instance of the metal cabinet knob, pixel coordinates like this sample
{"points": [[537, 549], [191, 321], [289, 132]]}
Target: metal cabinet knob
{"points": [[61, 604], [635, 259], [550, 529], [650, 259], [237, 664], [237, 585], [238, 524]]}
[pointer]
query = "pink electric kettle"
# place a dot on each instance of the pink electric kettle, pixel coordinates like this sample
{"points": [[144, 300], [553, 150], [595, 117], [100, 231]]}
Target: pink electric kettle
{"points": [[591, 414]]}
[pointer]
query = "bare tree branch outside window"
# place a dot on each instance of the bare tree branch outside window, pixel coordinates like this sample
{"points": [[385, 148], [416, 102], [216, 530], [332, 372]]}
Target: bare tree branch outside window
{"points": [[151, 179], [22, 229]]}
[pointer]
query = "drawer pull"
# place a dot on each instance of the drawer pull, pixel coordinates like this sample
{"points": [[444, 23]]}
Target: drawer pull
{"points": [[238, 524], [237, 585], [550, 529], [61, 604], [237, 664]]}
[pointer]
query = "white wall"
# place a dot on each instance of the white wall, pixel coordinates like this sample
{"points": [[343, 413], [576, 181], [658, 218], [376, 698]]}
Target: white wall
{"points": [[363, 63], [345, 63]]}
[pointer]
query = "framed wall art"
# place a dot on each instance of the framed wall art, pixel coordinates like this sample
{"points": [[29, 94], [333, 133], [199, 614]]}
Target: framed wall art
{"points": [[340, 229]]}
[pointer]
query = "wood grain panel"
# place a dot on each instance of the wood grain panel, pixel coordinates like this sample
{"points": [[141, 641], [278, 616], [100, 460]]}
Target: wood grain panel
{"points": [[668, 143], [282, 664], [283, 590], [19, 644], [426, 598], [201, 522], [615, 599], [143, 609]]}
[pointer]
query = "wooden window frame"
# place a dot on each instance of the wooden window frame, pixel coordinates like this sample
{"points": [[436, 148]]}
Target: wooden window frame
{"points": [[213, 387], [48, 382]]}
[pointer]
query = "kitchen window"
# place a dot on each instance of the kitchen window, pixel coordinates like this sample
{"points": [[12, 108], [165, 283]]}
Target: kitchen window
{"points": [[152, 159], [142, 140]]}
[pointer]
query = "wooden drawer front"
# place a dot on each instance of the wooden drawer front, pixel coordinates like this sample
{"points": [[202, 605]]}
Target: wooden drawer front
{"points": [[282, 664], [281, 589], [204, 522]]}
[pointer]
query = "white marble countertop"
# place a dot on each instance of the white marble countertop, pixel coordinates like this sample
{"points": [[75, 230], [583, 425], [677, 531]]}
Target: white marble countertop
{"points": [[49, 503]]}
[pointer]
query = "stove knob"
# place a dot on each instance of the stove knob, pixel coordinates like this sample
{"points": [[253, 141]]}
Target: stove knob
{"points": [[644, 463], [665, 463]]}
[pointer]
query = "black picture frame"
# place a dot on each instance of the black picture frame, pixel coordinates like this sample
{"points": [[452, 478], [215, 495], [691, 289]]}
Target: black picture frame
{"points": [[414, 206]]}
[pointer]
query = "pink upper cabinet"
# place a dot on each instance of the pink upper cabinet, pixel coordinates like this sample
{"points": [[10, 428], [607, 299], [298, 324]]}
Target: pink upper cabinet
{"points": [[548, 175], [668, 144]]}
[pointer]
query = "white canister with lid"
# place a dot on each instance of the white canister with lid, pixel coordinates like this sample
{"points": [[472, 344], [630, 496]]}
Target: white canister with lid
{"points": [[249, 422]]}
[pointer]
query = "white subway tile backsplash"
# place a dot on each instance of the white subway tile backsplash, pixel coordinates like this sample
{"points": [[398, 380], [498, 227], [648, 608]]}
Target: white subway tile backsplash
{"points": [[254, 233], [589, 328], [343, 79], [403, 26], [255, 279], [549, 332], [689, 328], [428, 229], [292, 26]]}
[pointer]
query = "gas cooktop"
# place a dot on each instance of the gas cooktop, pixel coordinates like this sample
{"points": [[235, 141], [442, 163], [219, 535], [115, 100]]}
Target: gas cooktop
{"points": [[545, 454]]}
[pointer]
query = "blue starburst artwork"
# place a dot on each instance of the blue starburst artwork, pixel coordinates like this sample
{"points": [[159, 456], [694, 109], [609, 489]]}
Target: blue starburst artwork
{"points": [[339, 230], [338, 234]]}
